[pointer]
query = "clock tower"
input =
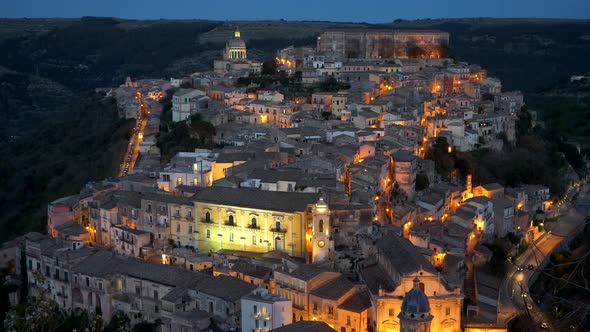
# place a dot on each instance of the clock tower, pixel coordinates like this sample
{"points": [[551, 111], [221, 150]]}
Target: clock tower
{"points": [[321, 243]]}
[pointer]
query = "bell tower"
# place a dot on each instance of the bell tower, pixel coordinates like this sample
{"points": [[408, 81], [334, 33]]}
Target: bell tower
{"points": [[321, 244]]}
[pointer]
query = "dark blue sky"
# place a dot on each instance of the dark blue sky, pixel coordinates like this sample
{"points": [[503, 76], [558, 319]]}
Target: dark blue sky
{"points": [[329, 10]]}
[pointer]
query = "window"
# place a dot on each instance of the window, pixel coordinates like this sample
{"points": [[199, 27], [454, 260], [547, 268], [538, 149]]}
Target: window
{"points": [[321, 226], [66, 276], [190, 229], [38, 266], [47, 271], [195, 168], [178, 228], [87, 282], [30, 264], [348, 320], [315, 306], [278, 225], [179, 181], [208, 234], [178, 212], [421, 285], [100, 286], [137, 290], [195, 182], [255, 309], [230, 220], [254, 239], [330, 310], [166, 177], [190, 213], [119, 284], [391, 313], [448, 311], [231, 236], [253, 223], [156, 295], [207, 216]]}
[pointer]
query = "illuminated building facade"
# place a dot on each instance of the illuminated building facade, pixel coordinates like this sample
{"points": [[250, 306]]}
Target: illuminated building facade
{"points": [[375, 44], [261, 221], [392, 279]]}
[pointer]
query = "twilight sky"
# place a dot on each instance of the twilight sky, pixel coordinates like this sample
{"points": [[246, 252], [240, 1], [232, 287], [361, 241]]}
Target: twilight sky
{"points": [[327, 10]]}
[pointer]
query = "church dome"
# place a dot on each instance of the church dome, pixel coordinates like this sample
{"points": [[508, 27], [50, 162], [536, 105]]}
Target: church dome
{"points": [[237, 41], [415, 302]]}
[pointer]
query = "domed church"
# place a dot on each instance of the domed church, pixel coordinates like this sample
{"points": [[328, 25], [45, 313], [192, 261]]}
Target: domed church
{"points": [[235, 48], [415, 314], [235, 59]]}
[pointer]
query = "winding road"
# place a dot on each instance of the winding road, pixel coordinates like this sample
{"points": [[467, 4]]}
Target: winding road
{"points": [[514, 293]]}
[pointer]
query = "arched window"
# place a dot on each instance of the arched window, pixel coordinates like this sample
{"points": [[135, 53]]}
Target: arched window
{"points": [[207, 216], [253, 223], [321, 226], [230, 219]]}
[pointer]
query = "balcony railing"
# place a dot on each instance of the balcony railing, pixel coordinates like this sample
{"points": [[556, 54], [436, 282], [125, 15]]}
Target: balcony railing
{"points": [[207, 221], [253, 226], [230, 223], [279, 230]]}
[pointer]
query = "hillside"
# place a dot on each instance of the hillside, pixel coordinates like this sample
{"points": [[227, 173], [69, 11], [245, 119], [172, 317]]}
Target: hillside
{"points": [[56, 135]]}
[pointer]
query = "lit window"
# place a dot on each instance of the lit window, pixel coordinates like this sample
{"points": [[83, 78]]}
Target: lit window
{"points": [[254, 239], [231, 236], [195, 182], [195, 168], [179, 181], [208, 234]]}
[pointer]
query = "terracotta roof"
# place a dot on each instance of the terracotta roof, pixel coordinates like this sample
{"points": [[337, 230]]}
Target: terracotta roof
{"points": [[333, 289], [256, 199], [358, 302]]}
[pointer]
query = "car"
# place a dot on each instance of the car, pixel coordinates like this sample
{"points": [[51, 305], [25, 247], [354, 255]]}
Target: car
{"points": [[529, 306], [530, 267], [544, 325], [524, 295], [519, 269]]}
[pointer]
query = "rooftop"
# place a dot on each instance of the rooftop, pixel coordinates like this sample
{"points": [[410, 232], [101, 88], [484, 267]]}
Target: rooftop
{"points": [[256, 199]]}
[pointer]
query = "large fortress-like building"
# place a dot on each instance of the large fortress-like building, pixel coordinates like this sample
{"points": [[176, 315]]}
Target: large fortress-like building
{"points": [[374, 44]]}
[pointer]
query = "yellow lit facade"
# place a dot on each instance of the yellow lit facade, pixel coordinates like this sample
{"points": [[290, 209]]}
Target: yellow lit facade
{"points": [[182, 225], [445, 305], [246, 229]]}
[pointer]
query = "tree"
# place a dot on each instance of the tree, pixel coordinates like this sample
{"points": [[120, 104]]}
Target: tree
{"points": [[524, 123], [269, 67]]}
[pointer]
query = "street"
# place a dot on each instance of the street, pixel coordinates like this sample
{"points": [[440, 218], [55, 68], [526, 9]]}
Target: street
{"points": [[514, 295], [132, 153]]}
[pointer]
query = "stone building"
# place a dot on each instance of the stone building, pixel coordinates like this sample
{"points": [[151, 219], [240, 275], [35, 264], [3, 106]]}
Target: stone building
{"points": [[373, 44]]}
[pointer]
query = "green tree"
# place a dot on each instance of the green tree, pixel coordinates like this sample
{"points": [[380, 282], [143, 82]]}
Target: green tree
{"points": [[524, 123], [269, 67]]}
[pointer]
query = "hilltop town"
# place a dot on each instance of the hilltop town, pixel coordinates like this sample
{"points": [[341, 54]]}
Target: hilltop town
{"points": [[321, 190]]}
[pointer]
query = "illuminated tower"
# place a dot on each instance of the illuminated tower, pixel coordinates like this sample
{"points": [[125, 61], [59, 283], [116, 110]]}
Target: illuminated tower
{"points": [[469, 185], [415, 314], [321, 244]]}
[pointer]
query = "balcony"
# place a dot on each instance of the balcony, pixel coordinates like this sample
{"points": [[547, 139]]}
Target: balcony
{"points": [[253, 226], [278, 230], [206, 221], [230, 223]]}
